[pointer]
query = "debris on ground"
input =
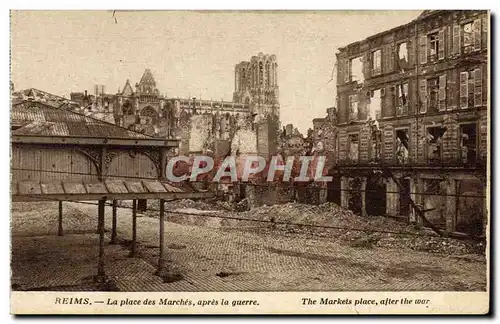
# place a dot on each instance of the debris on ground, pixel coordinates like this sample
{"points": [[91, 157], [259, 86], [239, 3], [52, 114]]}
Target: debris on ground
{"points": [[224, 274], [170, 277], [327, 220], [184, 204], [243, 205], [344, 226], [45, 220], [365, 242]]}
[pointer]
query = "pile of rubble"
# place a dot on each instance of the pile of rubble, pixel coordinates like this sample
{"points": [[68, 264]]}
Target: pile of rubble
{"points": [[327, 220], [181, 205], [328, 214], [336, 223]]}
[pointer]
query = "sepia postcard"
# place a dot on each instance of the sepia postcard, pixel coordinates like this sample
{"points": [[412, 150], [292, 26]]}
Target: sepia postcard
{"points": [[250, 162]]}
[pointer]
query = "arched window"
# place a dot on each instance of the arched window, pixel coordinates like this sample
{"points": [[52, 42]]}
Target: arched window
{"points": [[268, 74], [150, 113], [261, 74]]}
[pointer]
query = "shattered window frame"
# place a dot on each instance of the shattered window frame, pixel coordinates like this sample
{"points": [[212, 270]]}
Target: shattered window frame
{"points": [[398, 150], [352, 156], [402, 93], [374, 111], [467, 47], [433, 46], [464, 148], [398, 52], [434, 145], [356, 75]]}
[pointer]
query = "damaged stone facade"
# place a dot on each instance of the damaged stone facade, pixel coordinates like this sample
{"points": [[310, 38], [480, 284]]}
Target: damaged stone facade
{"points": [[418, 105], [292, 142], [249, 123]]}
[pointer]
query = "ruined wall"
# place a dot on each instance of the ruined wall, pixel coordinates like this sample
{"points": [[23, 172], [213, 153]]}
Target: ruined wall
{"points": [[269, 194], [200, 132], [267, 135]]}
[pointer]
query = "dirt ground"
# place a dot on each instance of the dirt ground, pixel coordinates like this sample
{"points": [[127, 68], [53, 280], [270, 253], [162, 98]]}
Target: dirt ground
{"points": [[214, 258]]}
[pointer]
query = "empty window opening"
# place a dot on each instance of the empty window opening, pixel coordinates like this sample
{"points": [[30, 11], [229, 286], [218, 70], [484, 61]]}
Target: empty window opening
{"points": [[353, 107], [402, 103], [375, 106], [433, 47], [377, 62], [468, 147], [402, 56], [356, 69], [353, 146], [375, 145], [434, 143], [402, 146]]}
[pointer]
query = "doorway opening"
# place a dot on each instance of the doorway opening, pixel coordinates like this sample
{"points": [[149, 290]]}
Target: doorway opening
{"points": [[376, 201], [334, 190], [404, 198]]}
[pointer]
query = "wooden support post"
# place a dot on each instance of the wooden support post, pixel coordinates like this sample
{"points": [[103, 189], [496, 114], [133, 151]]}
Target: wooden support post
{"points": [[363, 197], [60, 227], [134, 228], [344, 192], [451, 206], [161, 259], [113, 229], [101, 276], [163, 162]]}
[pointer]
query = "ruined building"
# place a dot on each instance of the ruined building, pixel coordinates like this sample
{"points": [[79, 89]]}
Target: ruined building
{"points": [[413, 103], [292, 142], [247, 125]]}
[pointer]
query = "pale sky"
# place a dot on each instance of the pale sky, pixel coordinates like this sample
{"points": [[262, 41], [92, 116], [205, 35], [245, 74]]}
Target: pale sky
{"points": [[190, 53]]}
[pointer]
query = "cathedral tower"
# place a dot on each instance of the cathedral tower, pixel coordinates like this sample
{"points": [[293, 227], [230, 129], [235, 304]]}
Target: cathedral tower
{"points": [[256, 83]]}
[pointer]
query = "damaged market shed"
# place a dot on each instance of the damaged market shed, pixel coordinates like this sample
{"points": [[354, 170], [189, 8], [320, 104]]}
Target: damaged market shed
{"points": [[59, 155]]}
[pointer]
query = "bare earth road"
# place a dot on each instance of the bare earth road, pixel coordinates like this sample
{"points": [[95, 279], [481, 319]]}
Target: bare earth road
{"points": [[218, 259]]}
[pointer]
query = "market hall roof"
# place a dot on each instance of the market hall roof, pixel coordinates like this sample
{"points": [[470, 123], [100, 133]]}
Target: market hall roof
{"points": [[36, 118]]}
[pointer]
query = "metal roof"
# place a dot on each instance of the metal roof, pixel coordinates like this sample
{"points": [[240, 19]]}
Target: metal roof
{"points": [[36, 118]]}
